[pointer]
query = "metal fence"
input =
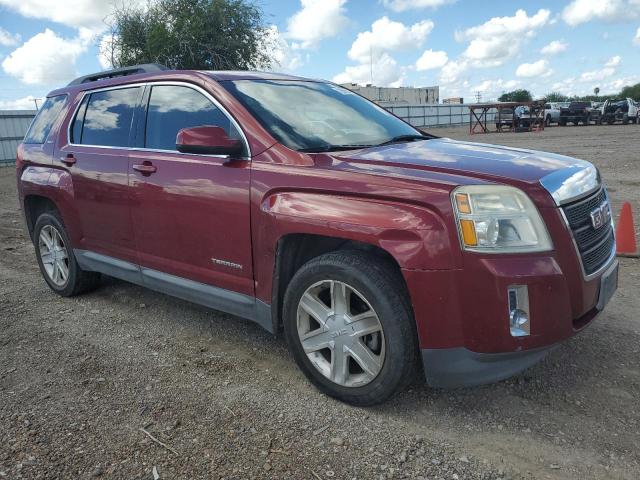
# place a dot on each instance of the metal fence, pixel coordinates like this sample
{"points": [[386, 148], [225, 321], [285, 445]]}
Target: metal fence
{"points": [[440, 115], [13, 126]]}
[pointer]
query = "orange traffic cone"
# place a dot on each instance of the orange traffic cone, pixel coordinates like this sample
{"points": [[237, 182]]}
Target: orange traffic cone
{"points": [[626, 234]]}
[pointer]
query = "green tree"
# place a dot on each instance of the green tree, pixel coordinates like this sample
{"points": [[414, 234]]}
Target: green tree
{"points": [[190, 34], [556, 97], [631, 91], [519, 95]]}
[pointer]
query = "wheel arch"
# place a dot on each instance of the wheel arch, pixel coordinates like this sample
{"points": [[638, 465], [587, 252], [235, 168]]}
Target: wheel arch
{"points": [[35, 205], [295, 249]]}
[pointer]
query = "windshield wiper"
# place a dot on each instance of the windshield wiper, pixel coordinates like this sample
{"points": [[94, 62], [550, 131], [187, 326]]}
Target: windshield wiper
{"points": [[331, 148], [404, 138]]}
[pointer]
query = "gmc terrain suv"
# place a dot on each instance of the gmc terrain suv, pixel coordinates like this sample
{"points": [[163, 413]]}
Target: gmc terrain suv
{"points": [[380, 251]]}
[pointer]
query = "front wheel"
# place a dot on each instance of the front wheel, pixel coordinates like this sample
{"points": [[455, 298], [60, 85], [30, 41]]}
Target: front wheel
{"points": [[349, 325], [56, 260]]}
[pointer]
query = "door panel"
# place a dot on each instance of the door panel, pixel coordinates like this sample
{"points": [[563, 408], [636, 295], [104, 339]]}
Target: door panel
{"points": [[191, 218], [190, 212], [98, 162]]}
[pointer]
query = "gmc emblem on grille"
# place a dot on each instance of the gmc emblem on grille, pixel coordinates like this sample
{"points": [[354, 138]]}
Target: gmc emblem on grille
{"points": [[601, 216]]}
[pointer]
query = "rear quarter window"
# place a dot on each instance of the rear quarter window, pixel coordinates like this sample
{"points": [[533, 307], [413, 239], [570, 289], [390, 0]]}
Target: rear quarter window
{"points": [[46, 117]]}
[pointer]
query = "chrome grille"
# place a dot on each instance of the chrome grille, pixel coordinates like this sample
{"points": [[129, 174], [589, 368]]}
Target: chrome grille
{"points": [[595, 246]]}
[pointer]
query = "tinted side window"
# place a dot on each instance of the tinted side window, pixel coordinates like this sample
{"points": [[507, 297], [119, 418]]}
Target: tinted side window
{"points": [[76, 128], [107, 120], [41, 126], [172, 108]]}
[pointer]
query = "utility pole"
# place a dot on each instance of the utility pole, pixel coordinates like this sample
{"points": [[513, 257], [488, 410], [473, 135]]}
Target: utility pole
{"points": [[478, 96], [35, 100], [371, 63]]}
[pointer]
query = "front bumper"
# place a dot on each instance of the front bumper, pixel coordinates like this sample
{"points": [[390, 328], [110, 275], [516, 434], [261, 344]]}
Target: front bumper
{"points": [[459, 367], [464, 336]]}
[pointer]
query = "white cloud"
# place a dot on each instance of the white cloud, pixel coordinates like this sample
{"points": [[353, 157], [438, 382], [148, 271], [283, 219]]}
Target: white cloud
{"points": [[386, 73], [500, 38], [7, 39], [25, 103], [73, 13], [316, 20], [585, 83], [535, 69], [45, 58], [613, 61], [387, 36], [432, 60], [453, 70], [402, 5], [493, 88], [553, 48], [286, 58], [636, 39], [582, 11]]}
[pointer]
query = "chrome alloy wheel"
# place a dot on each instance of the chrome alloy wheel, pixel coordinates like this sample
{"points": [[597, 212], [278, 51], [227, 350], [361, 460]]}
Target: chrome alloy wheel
{"points": [[54, 255], [341, 333]]}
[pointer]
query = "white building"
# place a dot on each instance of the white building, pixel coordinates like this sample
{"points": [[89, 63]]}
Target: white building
{"points": [[397, 96]]}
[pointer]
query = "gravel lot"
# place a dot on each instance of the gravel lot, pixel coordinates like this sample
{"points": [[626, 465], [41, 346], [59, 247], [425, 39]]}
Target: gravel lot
{"points": [[81, 378]]}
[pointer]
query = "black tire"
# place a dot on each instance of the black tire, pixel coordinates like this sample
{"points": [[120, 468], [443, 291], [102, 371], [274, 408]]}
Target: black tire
{"points": [[547, 121], [586, 120], [383, 286], [78, 280], [563, 122]]}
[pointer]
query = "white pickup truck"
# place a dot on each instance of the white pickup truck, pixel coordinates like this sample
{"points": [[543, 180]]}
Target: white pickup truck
{"points": [[552, 112], [620, 110]]}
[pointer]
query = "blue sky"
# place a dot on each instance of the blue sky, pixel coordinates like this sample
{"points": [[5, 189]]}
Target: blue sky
{"points": [[463, 46]]}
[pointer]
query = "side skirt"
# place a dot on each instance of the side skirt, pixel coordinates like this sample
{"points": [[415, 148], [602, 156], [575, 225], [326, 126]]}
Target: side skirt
{"points": [[216, 298]]}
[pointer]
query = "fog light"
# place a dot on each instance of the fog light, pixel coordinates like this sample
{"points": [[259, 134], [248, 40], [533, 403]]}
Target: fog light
{"points": [[519, 322]]}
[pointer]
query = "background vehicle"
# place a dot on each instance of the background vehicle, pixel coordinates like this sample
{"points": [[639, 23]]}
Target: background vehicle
{"points": [[576, 112], [504, 118], [596, 112], [371, 245], [552, 112], [619, 110]]}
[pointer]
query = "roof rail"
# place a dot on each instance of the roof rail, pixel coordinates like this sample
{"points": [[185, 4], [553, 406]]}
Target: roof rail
{"points": [[119, 72]]}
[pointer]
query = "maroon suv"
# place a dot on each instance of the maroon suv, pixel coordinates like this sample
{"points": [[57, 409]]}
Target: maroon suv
{"points": [[295, 203]]}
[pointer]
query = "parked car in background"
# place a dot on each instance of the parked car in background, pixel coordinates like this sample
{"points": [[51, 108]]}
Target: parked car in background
{"points": [[378, 250], [620, 110], [504, 118], [552, 112], [595, 115], [526, 117], [576, 112]]}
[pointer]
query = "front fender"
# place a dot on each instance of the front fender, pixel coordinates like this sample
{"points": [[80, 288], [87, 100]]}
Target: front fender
{"points": [[415, 236]]}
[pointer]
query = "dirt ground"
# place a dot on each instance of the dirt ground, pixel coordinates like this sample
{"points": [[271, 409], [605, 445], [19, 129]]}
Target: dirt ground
{"points": [[81, 378]]}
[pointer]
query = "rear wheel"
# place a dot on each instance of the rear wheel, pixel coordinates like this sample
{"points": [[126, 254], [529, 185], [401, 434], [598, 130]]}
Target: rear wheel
{"points": [[56, 260], [547, 121], [350, 328]]}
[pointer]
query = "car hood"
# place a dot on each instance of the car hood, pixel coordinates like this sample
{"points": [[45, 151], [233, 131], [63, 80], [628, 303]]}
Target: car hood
{"points": [[480, 160]]}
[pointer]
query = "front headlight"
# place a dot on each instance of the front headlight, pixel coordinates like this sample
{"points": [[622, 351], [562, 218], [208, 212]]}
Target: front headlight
{"points": [[498, 219]]}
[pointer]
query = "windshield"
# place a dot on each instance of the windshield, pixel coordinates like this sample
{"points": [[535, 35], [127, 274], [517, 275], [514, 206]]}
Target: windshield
{"points": [[315, 115]]}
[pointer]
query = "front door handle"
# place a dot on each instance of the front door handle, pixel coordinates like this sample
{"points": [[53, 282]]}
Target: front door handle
{"points": [[145, 168], [69, 159]]}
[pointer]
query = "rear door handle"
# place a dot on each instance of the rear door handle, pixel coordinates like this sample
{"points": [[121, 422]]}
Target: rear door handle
{"points": [[145, 168], [69, 159]]}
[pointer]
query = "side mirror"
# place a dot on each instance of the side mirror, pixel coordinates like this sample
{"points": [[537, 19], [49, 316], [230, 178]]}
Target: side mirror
{"points": [[207, 140]]}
